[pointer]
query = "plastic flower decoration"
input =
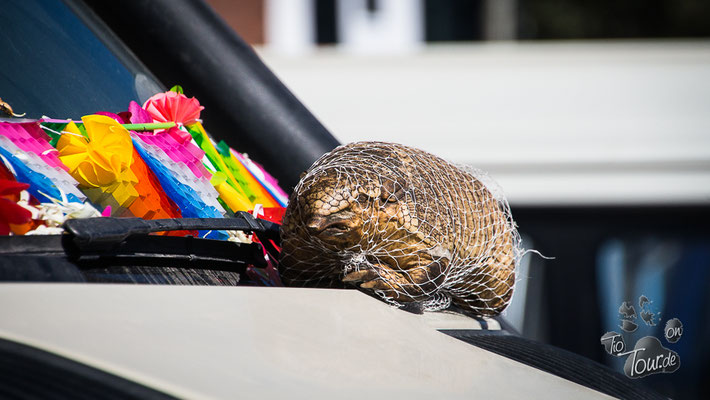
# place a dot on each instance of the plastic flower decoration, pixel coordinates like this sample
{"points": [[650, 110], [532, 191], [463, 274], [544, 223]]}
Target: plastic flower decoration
{"points": [[173, 107], [101, 159]]}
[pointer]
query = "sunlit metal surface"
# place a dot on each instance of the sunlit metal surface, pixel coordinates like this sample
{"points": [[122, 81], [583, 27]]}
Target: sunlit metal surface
{"points": [[217, 342]]}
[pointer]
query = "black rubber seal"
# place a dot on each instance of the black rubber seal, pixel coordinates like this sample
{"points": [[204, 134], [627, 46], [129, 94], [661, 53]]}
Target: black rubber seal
{"points": [[556, 361]]}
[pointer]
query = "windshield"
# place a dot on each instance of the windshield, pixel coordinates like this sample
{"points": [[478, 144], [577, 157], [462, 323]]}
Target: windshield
{"points": [[58, 60], [52, 64]]}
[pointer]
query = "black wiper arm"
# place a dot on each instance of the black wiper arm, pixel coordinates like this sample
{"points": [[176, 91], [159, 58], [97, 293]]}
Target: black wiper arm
{"points": [[105, 231], [112, 240]]}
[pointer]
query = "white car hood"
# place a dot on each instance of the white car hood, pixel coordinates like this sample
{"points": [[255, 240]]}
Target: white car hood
{"points": [[244, 342]]}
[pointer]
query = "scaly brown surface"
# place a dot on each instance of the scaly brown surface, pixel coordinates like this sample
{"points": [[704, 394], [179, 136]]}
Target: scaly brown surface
{"points": [[403, 223]]}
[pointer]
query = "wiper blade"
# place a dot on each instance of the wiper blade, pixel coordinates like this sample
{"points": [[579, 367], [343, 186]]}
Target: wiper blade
{"points": [[98, 232], [123, 249], [119, 237]]}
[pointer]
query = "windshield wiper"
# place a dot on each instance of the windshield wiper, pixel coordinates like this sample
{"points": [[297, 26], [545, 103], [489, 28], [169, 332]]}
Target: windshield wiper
{"points": [[110, 238], [100, 232]]}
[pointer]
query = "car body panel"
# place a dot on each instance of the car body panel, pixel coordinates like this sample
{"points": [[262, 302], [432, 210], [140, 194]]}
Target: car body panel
{"points": [[219, 342]]}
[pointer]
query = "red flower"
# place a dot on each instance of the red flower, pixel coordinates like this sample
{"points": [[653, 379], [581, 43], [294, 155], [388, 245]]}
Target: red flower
{"points": [[10, 212]]}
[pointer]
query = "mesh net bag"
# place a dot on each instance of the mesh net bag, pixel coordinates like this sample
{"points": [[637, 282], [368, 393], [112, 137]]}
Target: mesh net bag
{"points": [[404, 225]]}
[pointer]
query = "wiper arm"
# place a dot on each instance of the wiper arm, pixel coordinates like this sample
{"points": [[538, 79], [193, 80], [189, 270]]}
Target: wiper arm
{"points": [[104, 235], [96, 232]]}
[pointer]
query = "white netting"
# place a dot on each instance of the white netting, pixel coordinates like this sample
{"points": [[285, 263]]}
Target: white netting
{"points": [[404, 224]]}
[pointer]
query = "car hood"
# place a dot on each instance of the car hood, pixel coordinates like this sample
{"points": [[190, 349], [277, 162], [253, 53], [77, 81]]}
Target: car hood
{"points": [[222, 342]]}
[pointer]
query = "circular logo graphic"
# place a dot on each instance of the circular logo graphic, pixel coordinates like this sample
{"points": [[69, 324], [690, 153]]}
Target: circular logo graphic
{"points": [[673, 330]]}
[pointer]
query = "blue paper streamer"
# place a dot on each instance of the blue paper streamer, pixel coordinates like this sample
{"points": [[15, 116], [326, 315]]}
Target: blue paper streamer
{"points": [[185, 197], [41, 187]]}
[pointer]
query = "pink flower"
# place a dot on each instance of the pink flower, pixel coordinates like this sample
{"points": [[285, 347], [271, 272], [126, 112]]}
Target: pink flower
{"points": [[173, 107], [138, 115]]}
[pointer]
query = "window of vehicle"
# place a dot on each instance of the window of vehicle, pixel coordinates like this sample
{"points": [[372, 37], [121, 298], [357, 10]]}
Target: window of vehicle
{"points": [[54, 64]]}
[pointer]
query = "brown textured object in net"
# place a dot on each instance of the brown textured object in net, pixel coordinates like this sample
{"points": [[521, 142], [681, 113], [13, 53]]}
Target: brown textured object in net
{"points": [[404, 224]]}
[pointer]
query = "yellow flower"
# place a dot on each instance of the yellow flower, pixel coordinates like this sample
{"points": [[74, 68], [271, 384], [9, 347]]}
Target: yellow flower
{"points": [[103, 158]]}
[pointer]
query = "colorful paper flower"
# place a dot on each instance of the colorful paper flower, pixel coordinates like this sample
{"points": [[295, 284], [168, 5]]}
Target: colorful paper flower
{"points": [[101, 159], [173, 107]]}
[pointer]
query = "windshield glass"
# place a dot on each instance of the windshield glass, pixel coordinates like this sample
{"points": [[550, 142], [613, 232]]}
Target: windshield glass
{"points": [[52, 64]]}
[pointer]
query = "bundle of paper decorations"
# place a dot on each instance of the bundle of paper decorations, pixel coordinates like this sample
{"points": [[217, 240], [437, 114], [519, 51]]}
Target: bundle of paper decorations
{"points": [[154, 161]]}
